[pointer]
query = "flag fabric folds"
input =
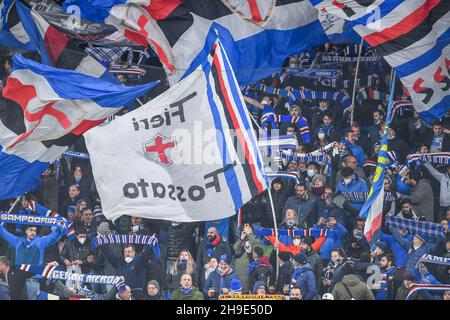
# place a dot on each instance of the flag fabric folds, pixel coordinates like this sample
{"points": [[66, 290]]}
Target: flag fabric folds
{"points": [[44, 109], [413, 37], [171, 175], [12, 33], [181, 32]]}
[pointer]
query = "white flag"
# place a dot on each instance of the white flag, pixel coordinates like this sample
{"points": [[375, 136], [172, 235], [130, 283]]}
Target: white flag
{"points": [[190, 154]]}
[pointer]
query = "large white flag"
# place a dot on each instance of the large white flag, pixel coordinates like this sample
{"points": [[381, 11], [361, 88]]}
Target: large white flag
{"points": [[188, 155]]}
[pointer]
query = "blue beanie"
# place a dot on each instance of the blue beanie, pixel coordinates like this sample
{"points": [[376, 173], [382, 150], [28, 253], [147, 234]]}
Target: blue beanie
{"points": [[235, 285]]}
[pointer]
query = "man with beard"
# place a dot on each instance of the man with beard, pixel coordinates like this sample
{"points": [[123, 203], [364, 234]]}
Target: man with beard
{"points": [[387, 271], [212, 246], [421, 196], [279, 196], [302, 203]]}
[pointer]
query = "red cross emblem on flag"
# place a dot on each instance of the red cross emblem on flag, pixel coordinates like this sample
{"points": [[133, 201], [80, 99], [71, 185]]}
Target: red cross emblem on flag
{"points": [[160, 149]]}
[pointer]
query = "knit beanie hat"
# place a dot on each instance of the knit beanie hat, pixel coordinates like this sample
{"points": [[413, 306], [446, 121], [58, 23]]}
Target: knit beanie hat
{"points": [[235, 285], [155, 283], [285, 256]]}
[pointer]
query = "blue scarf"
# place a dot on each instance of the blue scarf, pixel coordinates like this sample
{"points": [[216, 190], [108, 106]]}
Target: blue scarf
{"points": [[185, 292]]}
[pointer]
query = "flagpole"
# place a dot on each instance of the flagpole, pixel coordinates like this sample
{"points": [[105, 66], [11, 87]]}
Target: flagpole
{"points": [[276, 229], [356, 80], [254, 121], [14, 204]]}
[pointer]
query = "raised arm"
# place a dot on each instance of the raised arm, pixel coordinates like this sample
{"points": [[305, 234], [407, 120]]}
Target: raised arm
{"points": [[433, 171], [8, 237], [254, 102], [400, 239], [52, 237]]}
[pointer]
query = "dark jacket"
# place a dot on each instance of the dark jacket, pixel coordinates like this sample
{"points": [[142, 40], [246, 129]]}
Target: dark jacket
{"points": [[316, 264], [173, 280], [421, 198], [259, 270], [208, 250], [400, 147], [213, 281], [284, 276], [178, 238], [134, 271], [306, 280], [279, 199], [48, 193], [74, 250]]}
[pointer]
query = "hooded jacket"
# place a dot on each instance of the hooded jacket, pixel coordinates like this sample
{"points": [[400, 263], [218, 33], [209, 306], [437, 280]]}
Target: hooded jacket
{"points": [[305, 279], [358, 289], [259, 270]]}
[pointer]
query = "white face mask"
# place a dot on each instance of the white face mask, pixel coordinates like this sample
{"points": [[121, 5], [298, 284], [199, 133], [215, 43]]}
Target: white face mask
{"points": [[310, 173], [321, 136], [296, 242], [128, 259], [135, 228], [81, 240], [347, 181]]}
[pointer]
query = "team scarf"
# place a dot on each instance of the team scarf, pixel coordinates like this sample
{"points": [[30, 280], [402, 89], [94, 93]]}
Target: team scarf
{"points": [[25, 219], [52, 272], [442, 158], [428, 287], [320, 158], [362, 196], [312, 232], [428, 258], [294, 95], [152, 241], [414, 226], [399, 106], [367, 81], [69, 232], [283, 175], [283, 142], [275, 119]]}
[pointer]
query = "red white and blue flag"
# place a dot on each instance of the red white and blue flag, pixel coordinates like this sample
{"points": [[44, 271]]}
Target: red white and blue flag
{"points": [[191, 152], [413, 36], [260, 34], [44, 108]]}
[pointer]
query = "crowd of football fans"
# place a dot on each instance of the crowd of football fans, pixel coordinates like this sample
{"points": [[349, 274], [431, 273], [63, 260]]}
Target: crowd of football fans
{"points": [[240, 254]]}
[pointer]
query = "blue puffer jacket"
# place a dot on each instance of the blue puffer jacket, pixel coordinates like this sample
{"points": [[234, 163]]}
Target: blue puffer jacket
{"points": [[357, 151], [332, 242], [306, 280], [415, 254], [400, 254], [30, 252], [213, 281], [356, 185]]}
